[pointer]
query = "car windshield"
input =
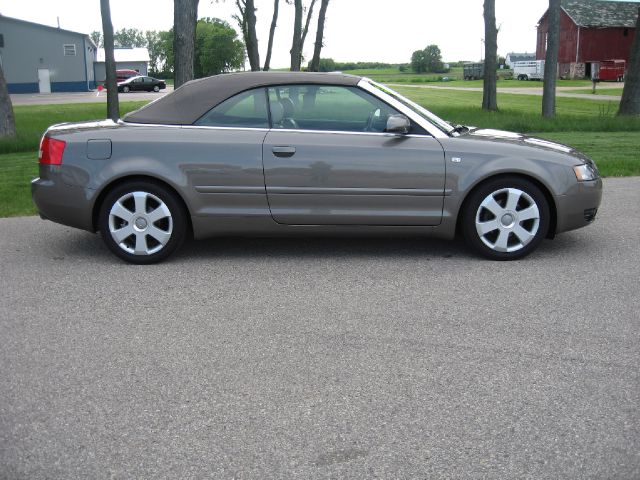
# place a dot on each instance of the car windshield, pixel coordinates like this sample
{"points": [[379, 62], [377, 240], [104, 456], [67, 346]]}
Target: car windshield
{"points": [[423, 112]]}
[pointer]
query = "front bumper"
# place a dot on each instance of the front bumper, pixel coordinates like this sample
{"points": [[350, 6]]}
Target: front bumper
{"points": [[578, 207]]}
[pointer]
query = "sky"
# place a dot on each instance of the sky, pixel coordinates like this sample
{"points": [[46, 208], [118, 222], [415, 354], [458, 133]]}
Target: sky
{"points": [[355, 30]]}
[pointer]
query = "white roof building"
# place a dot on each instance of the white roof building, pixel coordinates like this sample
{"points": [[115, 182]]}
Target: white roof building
{"points": [[126, 55], [126, 59]]}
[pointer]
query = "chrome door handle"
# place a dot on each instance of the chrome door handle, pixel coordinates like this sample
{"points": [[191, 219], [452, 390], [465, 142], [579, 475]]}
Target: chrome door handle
{"points": [[284, 151]]}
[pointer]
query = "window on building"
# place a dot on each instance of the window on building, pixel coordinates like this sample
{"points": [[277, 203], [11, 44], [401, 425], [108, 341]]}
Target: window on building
{"points": [[625, 32], [1, 40], [69, 50]]}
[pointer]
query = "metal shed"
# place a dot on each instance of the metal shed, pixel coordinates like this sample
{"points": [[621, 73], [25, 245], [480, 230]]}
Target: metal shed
{"points": [[39, 58]]}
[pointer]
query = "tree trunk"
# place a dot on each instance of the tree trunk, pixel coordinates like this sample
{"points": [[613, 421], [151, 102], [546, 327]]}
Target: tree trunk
{"points": [[7, 119], [113, 107], [315, 61], [299, 35], [306, 27], [252, 38], [185, 19], [551, 60], [489, 95], [272, 31], [296, 48], [630, 101]]}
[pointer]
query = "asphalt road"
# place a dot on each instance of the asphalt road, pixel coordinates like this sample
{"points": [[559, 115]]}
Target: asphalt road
{"points": [[322, 358], [83, 97]]}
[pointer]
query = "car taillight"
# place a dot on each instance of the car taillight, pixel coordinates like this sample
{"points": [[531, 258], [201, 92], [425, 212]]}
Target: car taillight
{"points": [[51, 151]]}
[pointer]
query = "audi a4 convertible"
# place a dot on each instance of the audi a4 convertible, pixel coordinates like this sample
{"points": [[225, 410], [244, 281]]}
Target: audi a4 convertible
{"points": [[306, 153]]}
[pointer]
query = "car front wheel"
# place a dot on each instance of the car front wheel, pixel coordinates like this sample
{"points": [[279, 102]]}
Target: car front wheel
{"points": [[506, 218], [142, 222], [125, 89], [156, 88]]}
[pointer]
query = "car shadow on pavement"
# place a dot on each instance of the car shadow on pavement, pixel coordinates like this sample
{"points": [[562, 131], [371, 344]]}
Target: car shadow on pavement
{"points": [[315, 247], [86, 246]]}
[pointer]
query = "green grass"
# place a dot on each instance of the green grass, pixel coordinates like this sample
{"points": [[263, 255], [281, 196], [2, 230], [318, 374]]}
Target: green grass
{"points": [[615, 153], [16, 171], [521, 113], [33, 120], [599, 91]]}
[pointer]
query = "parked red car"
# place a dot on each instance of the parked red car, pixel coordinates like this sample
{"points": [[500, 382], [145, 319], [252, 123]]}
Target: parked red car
{"points": [[125, 74]]}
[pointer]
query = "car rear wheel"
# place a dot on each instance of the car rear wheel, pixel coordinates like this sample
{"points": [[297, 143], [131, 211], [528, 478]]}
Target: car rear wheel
{"points": [[125, 89], [506, 218], [142, 222]]}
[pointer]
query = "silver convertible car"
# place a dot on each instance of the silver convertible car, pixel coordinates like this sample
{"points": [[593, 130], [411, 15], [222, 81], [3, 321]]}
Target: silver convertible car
{"points": [[282, 153]]}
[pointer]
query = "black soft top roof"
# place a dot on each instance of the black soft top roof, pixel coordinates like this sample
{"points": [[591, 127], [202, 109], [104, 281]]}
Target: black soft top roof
{"points": [[195, 98]]}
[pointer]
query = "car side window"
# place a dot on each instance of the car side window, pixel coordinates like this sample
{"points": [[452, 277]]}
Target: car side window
{"points": [[327, 107], [245, 110]]}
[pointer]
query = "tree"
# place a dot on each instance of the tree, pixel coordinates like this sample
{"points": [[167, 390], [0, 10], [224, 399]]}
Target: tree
{"points": [[315, 60], [325, 65], [247, 23], [299, 34], [185, 19], [165, 48], [630, 101], [427, 60], [217, 48], [7, 119], [96, 36], [154, 47], [418, 62], [129, 38], [272, 31], [113, 107], [551, 60], [489, 94]]}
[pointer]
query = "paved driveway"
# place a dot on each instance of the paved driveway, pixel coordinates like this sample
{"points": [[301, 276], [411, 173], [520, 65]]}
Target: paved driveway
{"points": [[322, 358], [83, 97]]}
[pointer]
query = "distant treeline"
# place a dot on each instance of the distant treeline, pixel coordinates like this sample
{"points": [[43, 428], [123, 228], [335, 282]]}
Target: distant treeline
{"points": [[330, 65]]}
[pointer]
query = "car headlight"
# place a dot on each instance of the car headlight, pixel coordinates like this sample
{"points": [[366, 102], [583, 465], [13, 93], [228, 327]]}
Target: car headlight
{"points": [[585, 172]]}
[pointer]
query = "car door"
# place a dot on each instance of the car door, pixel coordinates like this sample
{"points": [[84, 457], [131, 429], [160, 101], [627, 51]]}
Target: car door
{"points": [[222, 154], [328, 161]]}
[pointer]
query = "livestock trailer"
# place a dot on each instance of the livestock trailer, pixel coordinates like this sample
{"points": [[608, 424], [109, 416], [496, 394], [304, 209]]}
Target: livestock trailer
{"points": [[529, 70], [473, 71]]}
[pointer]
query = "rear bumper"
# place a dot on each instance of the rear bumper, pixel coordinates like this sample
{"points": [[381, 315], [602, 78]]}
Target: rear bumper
{"points": [[61, 203], [579, 206]]}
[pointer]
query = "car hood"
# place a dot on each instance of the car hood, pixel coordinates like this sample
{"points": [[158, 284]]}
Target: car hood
{"points": [[512, 137]]}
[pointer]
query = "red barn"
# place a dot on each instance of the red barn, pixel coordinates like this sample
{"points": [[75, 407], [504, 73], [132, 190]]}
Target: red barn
{"points": [[590, 31]]}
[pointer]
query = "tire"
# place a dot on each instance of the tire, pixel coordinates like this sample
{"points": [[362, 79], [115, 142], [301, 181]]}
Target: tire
{"points": [[156, 88], [142, 222], [125, 89], [505, 218]]}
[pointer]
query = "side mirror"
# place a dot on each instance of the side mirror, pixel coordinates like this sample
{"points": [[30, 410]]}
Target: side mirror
{"points": [[398, 124]]}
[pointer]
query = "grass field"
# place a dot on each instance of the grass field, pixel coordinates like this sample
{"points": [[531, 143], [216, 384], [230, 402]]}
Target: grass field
{"points": [[589, 125], [16, 172], [454, 78], [599, 91], [33, 120]]}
